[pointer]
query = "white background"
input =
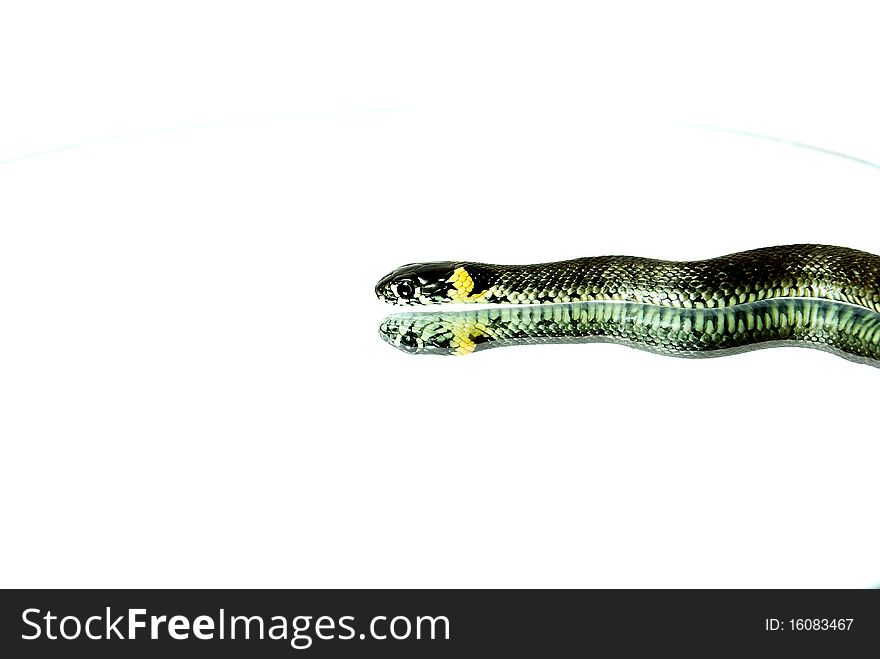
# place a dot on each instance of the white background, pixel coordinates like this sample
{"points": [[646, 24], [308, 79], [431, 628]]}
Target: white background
{"points": [[196, 200]]}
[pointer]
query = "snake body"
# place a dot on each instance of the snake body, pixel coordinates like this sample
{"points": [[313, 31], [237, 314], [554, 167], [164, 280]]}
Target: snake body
{"points": [[843, 329], [811, 295]]}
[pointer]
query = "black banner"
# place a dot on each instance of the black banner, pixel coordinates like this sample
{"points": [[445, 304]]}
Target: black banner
{"points": [[428, 623]]}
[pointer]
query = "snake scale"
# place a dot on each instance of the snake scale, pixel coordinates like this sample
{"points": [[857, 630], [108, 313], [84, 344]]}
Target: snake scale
{"points": [[804, 295]]}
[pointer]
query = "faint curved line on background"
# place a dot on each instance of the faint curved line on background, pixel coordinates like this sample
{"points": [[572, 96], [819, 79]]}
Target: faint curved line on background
{"points": [[325, 113], [782, 140], [209, 124]]}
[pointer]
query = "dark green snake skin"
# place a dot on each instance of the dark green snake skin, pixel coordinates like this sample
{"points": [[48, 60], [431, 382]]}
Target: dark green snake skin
{"points": [[816, 296], [824, 271]]}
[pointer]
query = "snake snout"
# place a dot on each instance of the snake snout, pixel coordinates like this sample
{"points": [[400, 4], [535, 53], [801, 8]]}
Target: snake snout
{"points": [[383, 289], [418, 283], [399, 286]]}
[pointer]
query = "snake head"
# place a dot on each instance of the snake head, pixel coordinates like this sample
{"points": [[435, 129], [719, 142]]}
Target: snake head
{"points": [[444, 333], [420, 283], [418, 334]]}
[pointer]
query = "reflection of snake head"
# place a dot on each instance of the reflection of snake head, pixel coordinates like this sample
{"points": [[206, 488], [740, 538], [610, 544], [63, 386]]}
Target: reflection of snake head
{"points": [[416, 333], [431, 334], [429, 283]]}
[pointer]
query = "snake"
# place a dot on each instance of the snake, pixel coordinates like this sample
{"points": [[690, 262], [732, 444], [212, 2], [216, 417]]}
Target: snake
{"points": [[805, 295]]}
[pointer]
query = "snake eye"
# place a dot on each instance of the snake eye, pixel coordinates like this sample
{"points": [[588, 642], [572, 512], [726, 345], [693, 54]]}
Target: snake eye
{"points": [[409, 342], [405, 289]]}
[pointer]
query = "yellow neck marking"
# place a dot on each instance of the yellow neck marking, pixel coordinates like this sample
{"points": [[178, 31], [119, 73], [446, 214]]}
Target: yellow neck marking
{"points": [[462, 285], [462, 337]]}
